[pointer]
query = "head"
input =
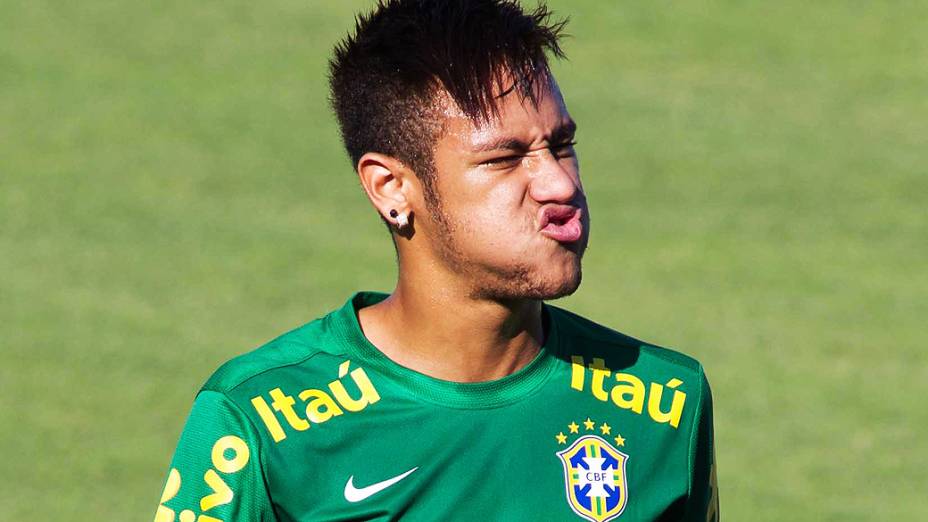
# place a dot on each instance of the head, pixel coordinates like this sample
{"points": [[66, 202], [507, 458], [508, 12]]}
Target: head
{"points": [[451, 115]]}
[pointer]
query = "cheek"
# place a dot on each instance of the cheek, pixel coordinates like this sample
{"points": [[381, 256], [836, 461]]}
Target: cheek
{"points": [[499, 211], [487, 209]]}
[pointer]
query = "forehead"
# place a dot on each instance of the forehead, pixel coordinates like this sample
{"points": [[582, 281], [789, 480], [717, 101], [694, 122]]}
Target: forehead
{"points": [[516, 116]]}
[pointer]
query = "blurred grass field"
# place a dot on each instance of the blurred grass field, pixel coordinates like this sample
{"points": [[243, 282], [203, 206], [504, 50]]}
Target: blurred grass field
{"points": [[173, 193]]}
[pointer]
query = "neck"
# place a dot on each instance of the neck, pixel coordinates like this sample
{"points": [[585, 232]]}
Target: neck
{"points": [[442, 331]]}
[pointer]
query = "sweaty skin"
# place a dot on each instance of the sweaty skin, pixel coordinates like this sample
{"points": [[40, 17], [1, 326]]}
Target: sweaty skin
{"points": [[510, 232]]}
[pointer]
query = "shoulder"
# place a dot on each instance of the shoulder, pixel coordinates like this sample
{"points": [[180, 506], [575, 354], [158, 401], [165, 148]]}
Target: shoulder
{"points": [[299, 347], [588, 339], [635, 375]]}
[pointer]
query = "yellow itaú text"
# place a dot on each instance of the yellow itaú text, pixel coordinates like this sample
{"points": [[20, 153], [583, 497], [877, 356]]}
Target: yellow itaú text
{"points": [[320, 406], [628, 392]]}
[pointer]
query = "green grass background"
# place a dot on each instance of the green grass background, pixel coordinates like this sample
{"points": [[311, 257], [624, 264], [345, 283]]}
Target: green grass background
{"points": [[173, 192]]}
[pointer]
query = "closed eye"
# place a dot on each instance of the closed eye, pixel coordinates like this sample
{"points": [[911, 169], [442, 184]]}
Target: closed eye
{"points": [[564, 150], [560, 150], [504, 161]]}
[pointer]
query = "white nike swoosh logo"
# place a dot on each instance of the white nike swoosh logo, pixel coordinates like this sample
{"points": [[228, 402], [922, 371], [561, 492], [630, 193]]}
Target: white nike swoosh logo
{"points": [[353, 494]]}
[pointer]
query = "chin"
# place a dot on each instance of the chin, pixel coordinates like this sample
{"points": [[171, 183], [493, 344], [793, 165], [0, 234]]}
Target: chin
{"points": [[524, 283], [547, 294], [562, 288], [565, 280]]}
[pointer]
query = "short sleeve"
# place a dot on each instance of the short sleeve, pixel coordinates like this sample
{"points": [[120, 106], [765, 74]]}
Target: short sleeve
{"points": [[703, 502], [216, 473]]}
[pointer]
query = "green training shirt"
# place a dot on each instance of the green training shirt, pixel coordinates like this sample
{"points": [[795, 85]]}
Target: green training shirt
{"points": [[319, 425]]}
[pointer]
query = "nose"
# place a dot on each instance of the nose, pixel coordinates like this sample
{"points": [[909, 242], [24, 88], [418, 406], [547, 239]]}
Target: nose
{"points": [[555, 180]]}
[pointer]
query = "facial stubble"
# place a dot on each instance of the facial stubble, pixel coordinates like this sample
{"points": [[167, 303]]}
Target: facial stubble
{"points": [[515, 281]]}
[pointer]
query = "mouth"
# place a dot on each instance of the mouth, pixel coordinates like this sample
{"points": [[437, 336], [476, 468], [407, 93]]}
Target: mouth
{"points": [[561, 223]]}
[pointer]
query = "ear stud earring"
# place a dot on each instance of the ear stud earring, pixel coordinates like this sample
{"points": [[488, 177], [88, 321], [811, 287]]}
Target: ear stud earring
{"points": [[401, 220]]}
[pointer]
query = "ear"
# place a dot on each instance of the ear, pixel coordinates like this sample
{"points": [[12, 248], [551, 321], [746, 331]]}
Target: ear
{"points": [[390, 185]]}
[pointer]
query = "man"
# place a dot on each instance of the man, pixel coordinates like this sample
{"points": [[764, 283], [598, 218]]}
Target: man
{"points": [[459, 396]]}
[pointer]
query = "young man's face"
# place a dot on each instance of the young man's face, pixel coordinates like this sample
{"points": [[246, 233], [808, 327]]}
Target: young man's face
{"points": [[512, 216]]}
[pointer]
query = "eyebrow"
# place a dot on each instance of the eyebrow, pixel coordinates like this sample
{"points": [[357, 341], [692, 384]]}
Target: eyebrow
{"points": [[560, 133]]}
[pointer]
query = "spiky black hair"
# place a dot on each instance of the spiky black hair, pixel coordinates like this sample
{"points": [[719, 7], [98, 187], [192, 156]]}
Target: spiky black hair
{"points": [[385, 77]]}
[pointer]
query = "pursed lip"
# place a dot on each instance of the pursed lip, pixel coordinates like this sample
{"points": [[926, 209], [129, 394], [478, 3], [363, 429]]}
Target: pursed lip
{"points": [[561, 223]]}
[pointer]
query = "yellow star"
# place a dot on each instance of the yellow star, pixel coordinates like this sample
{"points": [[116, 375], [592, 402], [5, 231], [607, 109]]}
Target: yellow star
{"points": [[589, 424], [605, 428], [561, 438], [573, 427], [619, 440]]}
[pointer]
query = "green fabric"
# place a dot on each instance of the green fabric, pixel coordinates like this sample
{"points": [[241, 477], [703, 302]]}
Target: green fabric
{"points": [[320, 405]]}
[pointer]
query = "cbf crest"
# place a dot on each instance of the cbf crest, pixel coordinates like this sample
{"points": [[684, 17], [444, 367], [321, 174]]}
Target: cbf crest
{"points": [[594, 476]]}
